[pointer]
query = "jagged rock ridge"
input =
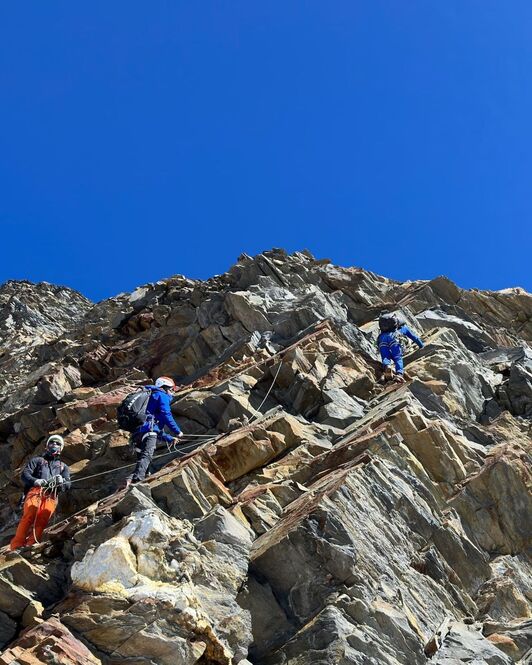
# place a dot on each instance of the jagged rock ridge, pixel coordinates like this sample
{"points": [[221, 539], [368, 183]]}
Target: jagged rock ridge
{"points": [[326, 521]]}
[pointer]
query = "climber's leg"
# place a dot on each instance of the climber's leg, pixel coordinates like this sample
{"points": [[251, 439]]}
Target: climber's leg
{"points": [[44, 513], [144, 456], [396, 353], [31, 506], [386, 358]]}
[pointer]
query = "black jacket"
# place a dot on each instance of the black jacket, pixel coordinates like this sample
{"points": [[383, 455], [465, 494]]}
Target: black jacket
{"points": [[44, 468]]}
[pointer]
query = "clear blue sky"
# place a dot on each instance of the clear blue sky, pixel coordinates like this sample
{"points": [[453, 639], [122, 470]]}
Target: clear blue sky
{"points": [[143, 139]]}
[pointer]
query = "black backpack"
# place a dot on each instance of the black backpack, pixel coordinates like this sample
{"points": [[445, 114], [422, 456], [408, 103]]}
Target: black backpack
{"points": [[388, 322], [131, 413]]}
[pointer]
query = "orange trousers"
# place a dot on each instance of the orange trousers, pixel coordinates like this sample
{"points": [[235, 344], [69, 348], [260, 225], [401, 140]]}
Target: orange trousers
{"points": [[38, 508]]}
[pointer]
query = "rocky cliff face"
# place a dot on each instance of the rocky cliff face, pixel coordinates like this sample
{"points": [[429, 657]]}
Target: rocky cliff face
{"points": [[311, 516]]}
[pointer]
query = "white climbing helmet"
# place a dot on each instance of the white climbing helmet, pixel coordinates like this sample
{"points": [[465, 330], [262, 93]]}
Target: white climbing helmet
{"points": [[55, 444], [165, 382]]}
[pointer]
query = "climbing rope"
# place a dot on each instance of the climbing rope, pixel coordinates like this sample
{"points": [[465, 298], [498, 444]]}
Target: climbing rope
{"points": [[175, 446], [179, 448], [305, 339], [252, 420], [36, 515], [204, 439], [52, 485], [128, 466]]}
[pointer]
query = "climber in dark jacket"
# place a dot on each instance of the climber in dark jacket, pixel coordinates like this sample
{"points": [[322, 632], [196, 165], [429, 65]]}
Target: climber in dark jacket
{"points": [[43, 477], [158, 416], [389, 344]]}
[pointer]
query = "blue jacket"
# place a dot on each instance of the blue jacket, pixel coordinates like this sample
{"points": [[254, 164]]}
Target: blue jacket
{"points": [[389, 339], [159, 415]]}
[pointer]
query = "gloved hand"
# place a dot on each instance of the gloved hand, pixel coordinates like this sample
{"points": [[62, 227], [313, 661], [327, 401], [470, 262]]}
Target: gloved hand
{"points": [[179, 436], [40, 482], [59, 479]]}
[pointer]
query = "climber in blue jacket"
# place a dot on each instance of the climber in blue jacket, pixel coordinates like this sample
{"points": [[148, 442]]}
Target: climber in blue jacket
{"points": [[389, 344], [158, 416]]}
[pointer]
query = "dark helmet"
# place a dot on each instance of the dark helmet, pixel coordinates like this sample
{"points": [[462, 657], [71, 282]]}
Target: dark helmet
{"points": [[389, 321]]}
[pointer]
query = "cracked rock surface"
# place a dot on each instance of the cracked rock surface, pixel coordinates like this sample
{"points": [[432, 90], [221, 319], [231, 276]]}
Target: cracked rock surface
{"points": [[311, 516]]}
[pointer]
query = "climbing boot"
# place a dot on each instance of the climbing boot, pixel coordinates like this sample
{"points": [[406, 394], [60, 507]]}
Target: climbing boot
{"points": [[388, 374]]}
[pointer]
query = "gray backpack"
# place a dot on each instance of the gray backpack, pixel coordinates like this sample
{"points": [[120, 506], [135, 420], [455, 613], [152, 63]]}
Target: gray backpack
{"points": [[131, 413]]}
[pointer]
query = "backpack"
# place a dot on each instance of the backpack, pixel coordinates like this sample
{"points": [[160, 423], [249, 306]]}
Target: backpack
{"points": [[131, 413], [388, 322]]}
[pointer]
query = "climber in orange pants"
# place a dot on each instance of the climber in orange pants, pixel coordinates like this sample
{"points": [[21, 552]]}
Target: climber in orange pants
{"points": [[38, 509], [43, 478]]}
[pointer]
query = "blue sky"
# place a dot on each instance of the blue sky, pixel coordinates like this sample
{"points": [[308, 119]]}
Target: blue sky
{"points": [[139, 140]]}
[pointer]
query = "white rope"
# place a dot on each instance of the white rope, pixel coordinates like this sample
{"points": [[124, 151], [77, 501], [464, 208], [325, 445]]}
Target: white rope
{"points": [[204, 439], [195, 445], [36, 515], [178, 449], [175, 447], [267, 394], [128, 466]]}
